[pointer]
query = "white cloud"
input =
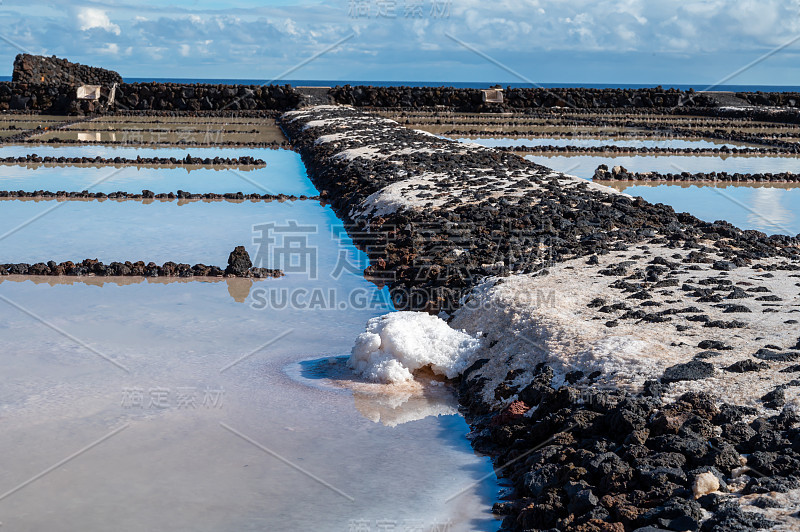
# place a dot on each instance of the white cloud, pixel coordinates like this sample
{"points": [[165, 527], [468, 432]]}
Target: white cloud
{"points": [[290, 27], [154, 52], [715, 33], [89, 17], [110, 48], [205, 48]]}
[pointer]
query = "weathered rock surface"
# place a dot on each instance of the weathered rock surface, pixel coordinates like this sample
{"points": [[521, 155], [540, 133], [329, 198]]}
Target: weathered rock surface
{"points": [[239, 265], [54, 71]]}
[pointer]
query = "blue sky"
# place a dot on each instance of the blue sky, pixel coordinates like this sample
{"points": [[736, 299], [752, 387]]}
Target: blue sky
{"points": [[545, 41]]}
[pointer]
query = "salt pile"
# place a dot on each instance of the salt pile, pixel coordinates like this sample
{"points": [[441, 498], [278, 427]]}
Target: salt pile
{"points": [[396, 345]]}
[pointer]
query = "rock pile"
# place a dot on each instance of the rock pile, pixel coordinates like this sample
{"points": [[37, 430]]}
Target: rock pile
{"points": [[645, 150], [158, 96], [155, 96], [620, 173], [783, 99], [471, 100], [239, 265], [54, 99], [150, 195], [54, 71], [590, 460], [149, 161]]}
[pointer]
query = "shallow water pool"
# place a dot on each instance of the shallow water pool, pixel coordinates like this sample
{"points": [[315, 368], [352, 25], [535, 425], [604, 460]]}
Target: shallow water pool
{"points": [[169, 404], [585, 165], [284, 174], [773, 209], [204, 442], [197, 231], [95, 150], [615, 141]]}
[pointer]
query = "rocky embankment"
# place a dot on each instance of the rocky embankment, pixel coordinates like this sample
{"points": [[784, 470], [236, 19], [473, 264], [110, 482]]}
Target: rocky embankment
{"points": [[150, 195], [30, 138], [158, 96], [471, 100], [638, 368], [33, 158], [749, 143], [645, 150], [439, 216], [54, 71], [49, 84], [62, 99], [620, 173], [239, 265], [783, 99]]}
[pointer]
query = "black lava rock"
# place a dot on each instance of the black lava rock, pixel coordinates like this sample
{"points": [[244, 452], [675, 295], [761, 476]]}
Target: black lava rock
{"points": [[239, 261], [690, 371]]}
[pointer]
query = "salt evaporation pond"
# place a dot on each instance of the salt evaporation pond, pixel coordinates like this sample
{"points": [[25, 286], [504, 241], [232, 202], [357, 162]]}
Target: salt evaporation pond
{"points": [[100, 150], [773, 208], [194, 232], [221, 424], [278, 177], [607, 141], [585, 165]]}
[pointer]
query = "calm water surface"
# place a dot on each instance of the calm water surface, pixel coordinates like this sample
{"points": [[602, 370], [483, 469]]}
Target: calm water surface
{"points": [[163, 404], [280, 176], [617, 141], [773, 208]]}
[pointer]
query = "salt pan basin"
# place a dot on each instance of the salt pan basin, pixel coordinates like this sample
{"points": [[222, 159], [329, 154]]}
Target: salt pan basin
{"points": [[284, 173], [184, 437]]}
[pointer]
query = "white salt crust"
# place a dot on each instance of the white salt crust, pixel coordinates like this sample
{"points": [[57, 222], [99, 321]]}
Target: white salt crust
{"points": [[396, 345]]}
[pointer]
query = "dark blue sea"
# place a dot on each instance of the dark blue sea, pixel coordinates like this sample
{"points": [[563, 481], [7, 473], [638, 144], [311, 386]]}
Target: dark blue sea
{"points": [[461, 85]]}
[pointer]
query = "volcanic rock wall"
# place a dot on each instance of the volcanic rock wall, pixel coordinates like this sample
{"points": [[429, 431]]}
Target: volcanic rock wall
{"points": [[61, 99], [54, 71], [471, 100], [54, 99], [788, 99], [48, 84], [205, 97]]}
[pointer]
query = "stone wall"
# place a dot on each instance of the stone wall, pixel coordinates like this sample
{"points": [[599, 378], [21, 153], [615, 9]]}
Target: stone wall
{"points": [[48, 84], [54, 71], [158, 96], [788, 99], [205, 97], [55, 99], [471, 100], [61, 99], [57, 95]]}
